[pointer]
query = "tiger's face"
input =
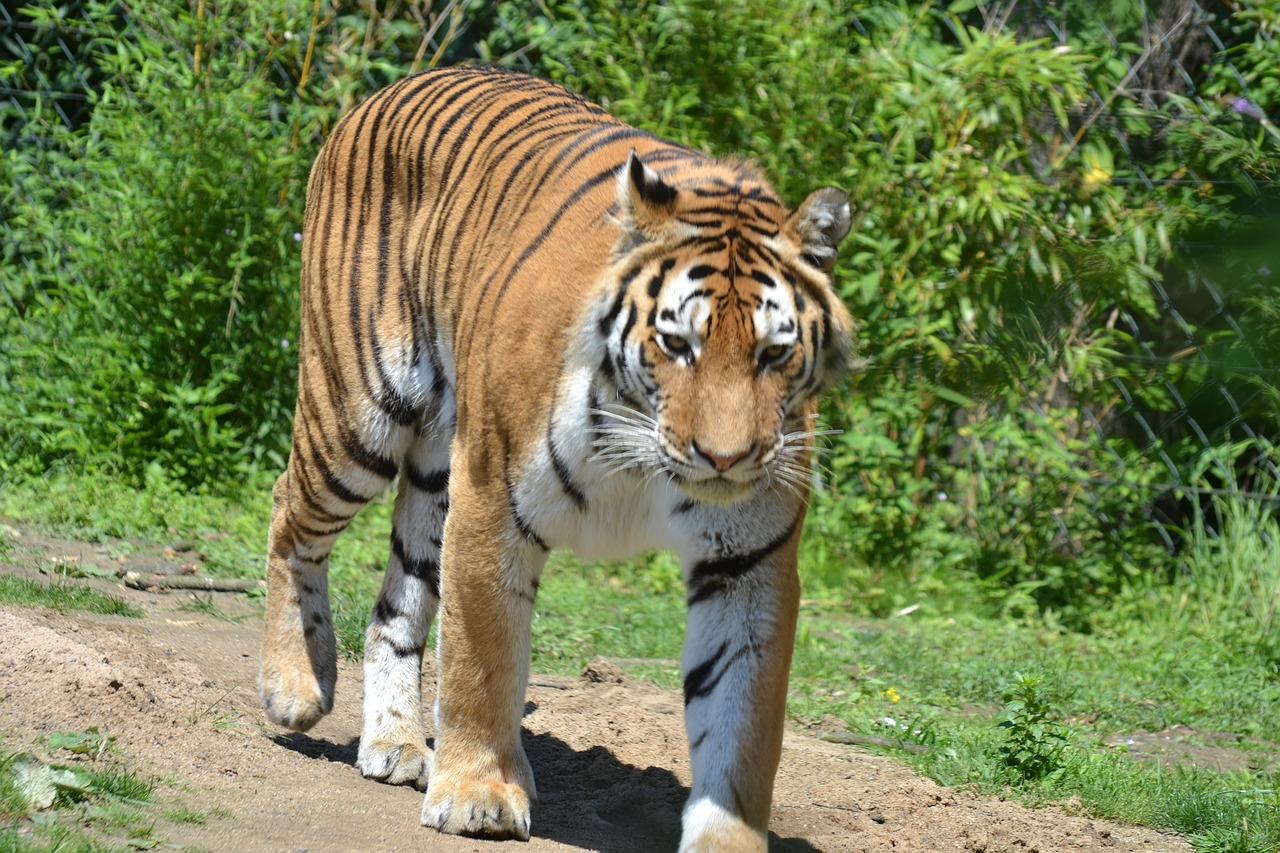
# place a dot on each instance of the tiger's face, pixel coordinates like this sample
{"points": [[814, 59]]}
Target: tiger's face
{"points": [[718, 325]]}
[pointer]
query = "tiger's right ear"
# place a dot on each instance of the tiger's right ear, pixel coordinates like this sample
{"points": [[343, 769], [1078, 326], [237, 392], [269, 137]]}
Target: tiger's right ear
{"points": [[645, 200]]}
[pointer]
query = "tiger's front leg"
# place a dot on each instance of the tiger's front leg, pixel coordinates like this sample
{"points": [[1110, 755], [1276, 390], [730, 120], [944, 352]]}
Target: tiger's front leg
{"points": [[737, 656], [482, 783]]}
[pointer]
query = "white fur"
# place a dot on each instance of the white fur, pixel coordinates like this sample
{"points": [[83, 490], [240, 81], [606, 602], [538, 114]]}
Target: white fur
{"points": [[703, 817]]}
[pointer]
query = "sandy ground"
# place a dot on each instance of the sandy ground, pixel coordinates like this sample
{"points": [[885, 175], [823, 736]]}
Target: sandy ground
{"points": [[177, 691]]}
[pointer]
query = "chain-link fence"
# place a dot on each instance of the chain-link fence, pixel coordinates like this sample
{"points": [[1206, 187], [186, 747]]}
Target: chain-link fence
{"points": [[1200, 349]]}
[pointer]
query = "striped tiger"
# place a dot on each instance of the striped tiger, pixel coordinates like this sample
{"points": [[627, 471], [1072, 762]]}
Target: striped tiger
{"points": [[559, 331]]}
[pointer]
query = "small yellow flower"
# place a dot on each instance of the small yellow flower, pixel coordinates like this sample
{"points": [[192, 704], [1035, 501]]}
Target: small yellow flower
{"points": [[890, 694], [1096, 176]]}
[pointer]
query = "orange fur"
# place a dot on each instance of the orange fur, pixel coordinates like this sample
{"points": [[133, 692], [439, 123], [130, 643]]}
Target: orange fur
{"points": [[549, 324]]}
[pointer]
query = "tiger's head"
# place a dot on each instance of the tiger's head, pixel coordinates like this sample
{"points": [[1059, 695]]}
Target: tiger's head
{"points": [[715, 327]]}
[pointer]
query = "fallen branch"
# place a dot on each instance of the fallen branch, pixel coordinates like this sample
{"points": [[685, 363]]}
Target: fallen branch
{"points": [[138, 581], [871, 740]]}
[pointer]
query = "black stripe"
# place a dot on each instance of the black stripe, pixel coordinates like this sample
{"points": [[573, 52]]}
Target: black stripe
{"points": [[655, 283], [700, 681], [606, 370], [523, 526], [562, 471], [626, 328], [696, 679], [711, 577], [432, 482], [334, 484], [318, 533], [396, 406], [384, 611], [363, 456], [701, 271], [404, 651], [606, 322], [426, 570]]}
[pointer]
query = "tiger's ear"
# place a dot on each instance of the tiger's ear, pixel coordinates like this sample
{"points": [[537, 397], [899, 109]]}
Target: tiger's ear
{"points": [[819, 224], [645, 201]]}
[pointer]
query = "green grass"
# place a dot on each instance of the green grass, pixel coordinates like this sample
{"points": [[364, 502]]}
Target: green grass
{"points": [[185, 815], [92, 810], [231, 532], [62, 596], [1197, 651]]}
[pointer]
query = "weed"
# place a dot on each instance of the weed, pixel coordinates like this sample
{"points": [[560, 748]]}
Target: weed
{"points": [[108, 801], [222, 720], [62, 596], [91, 742], [206, 604], [185, 815], [1037, 746]]}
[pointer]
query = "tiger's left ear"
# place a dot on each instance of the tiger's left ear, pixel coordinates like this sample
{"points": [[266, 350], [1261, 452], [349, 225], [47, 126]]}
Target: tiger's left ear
{"points": [[645, 200], [819, 224]]}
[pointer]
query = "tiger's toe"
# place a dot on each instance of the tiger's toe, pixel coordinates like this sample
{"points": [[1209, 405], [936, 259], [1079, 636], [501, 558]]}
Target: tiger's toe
{"points": [[486, 808], [296, 704], [395, 763]]}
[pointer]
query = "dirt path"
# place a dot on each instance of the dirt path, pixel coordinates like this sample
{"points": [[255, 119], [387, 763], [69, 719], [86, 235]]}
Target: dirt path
{"points": [[177, 691]]}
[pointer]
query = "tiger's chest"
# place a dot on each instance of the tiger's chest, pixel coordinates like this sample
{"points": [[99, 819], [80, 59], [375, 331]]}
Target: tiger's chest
{"points": [[576, 492]]}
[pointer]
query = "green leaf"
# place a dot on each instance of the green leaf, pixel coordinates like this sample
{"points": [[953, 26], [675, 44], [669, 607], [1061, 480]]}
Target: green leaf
{"points": [[954, 397], [41, 783]]}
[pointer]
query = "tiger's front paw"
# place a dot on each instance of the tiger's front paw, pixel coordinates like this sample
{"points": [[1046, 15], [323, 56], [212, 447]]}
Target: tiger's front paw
{"points": [[482, 807], [300, 660], [711, 828], [295, 699], [395, 763]]}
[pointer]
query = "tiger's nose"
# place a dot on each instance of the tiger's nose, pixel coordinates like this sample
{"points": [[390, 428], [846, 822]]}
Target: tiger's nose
{"points": [[722, 461]]}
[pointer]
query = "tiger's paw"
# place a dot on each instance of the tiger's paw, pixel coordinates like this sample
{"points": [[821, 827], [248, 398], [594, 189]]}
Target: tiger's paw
{"points": [[296, 684], [489, 808], [395, 763], [710, 828], [292, 701]]}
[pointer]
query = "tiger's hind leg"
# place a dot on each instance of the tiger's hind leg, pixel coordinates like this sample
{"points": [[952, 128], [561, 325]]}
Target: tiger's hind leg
{"points": [[393, 747], [331, 474]]}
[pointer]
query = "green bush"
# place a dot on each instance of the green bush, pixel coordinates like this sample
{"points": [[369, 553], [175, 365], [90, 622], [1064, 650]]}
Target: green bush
{"points": [[1001, 265], [157, 243], [1030, 238]]}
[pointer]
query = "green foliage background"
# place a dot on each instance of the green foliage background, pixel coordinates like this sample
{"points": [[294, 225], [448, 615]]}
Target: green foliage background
{"points": [[1037, 250]]}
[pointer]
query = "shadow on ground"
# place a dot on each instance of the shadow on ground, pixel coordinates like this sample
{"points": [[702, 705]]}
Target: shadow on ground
{"points": [[586, 798]]}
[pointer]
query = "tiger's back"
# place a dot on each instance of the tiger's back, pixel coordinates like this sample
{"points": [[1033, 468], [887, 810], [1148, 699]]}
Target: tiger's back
{"points": [[559, 331]]}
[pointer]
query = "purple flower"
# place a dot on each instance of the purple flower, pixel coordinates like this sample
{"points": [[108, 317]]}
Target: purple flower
{"points": [[1246, 107]]}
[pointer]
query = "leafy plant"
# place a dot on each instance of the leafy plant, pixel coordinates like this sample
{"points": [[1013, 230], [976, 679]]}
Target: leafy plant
{"points": [[1037, 746], [1010, 263], [155, 241]]}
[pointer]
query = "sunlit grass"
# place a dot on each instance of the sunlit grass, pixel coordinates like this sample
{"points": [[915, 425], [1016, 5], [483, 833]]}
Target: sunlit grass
{"points": [[62, 596], [1183, 653]]}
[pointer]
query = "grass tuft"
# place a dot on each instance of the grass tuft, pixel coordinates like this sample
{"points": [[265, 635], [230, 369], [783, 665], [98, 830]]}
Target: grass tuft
{"points": [[63, 597]]}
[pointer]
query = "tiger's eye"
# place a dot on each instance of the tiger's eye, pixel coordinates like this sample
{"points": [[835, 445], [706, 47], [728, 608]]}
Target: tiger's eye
{"points": [[675, 345], [775, 353]]}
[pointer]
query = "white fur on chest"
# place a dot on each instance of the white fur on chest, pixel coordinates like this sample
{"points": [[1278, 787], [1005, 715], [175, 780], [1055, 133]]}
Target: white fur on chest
{"points": [[616, 513]]}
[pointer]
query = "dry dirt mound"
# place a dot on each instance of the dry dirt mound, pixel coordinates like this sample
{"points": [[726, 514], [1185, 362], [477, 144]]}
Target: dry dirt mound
{"points": [[177, 691]]}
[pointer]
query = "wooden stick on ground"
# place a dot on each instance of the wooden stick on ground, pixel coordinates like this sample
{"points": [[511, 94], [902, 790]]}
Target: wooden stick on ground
{"points": [[139, 581]]}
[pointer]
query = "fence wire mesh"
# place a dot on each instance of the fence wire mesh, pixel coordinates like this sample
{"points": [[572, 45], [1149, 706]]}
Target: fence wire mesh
{"points": [[46, 76]]}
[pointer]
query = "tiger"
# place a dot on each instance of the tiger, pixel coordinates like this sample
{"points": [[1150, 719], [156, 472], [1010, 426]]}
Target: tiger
{"points": [[556, 331]]}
